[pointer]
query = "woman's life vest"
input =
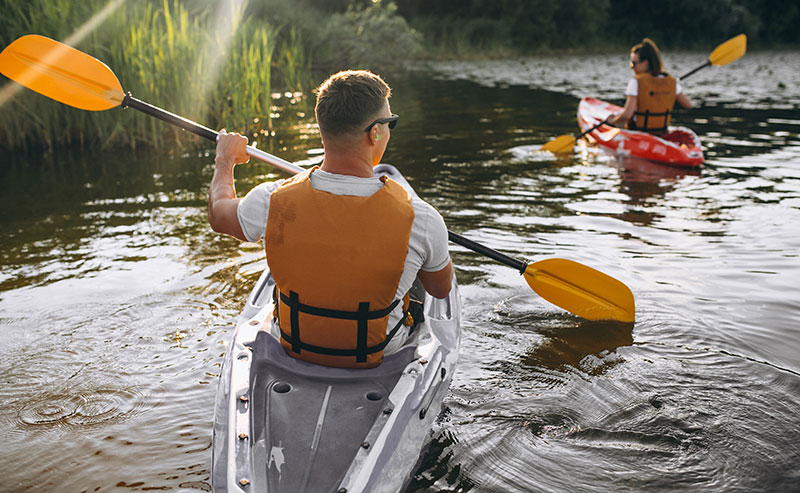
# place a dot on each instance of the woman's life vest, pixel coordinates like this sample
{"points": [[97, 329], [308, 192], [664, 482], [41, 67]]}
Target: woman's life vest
{"points": [[337, 261], [654, 103]]}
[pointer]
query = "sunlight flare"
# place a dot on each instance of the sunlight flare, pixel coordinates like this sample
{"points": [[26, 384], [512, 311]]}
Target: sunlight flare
{"points": [[229, 15]]}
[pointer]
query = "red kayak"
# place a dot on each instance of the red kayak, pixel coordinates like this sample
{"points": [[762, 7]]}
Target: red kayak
{"points": [[678, 147]]}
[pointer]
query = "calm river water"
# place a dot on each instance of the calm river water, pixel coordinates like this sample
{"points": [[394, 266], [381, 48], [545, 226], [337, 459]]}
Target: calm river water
{"points": [[117, 302]]}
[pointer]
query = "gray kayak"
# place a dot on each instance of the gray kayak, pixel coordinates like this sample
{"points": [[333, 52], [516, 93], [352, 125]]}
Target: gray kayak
{"points": [[285, 425]]}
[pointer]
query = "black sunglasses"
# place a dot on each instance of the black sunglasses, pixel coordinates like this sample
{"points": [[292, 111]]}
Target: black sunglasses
{"points": [[391, 120]]}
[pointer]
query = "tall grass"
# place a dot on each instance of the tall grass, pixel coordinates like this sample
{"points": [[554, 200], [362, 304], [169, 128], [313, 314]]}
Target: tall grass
{"points": [[160, 53], [293, 62], [177, 54]]}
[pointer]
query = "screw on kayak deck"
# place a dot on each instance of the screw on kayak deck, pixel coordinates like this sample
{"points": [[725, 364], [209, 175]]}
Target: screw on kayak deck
{"points": [[423, 361], [243, 398], [388, 410], [242, 436], [244, 482], [365, 445], [342, 490]]}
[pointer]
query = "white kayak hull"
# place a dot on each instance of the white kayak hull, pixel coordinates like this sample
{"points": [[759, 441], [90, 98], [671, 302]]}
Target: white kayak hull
{"points": [[284, 425]]}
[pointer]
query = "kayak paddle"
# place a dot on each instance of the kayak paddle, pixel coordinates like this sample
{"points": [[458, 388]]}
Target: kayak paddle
{"points": [[565, 143], [77, 79], [575, 287], [730, 50]]}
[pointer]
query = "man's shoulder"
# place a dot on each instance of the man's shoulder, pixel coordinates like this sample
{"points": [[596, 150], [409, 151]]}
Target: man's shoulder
{"points": [[268, 187], [425, 214], [421, 204], [261, 192]]}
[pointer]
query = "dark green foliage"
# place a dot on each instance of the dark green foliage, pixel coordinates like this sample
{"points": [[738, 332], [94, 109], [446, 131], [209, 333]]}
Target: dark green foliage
{"points": [[544, 24], [683, 23]]}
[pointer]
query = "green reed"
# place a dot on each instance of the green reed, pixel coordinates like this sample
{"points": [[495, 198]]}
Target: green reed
{"points": [[293, 62], [185, 62], [212, 61]]}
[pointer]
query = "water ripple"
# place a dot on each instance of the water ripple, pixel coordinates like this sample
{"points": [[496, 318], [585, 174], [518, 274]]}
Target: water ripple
{"points": [[81, 408]]}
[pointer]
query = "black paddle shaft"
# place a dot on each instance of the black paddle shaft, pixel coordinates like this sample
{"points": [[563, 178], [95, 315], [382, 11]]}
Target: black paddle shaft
{"points": [[131, 102], [494, 254], [137, 104], [687, 74]]}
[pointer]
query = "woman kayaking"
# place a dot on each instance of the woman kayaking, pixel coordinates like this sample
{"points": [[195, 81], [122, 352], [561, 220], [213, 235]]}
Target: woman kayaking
{"points": [[650, 94]]}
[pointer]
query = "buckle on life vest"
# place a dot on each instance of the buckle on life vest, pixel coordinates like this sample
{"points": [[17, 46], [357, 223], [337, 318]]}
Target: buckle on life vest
{"points": [[646, 115], [415, 314]]}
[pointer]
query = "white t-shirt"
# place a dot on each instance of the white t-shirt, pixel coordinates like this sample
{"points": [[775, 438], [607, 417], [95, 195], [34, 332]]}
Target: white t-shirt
{"points": [[427, 245], [633, 87]]}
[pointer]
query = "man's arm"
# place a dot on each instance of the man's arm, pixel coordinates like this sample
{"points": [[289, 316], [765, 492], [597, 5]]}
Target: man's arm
{"points": [[222, 201], [437, 283]]}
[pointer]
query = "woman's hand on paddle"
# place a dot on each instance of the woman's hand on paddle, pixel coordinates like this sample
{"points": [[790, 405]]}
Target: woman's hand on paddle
{"points": [[232, 148]]}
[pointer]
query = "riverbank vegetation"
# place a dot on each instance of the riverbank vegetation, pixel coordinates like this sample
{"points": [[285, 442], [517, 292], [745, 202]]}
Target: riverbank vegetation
{"points": [[239, 64], [468, 27], [223, 63]]}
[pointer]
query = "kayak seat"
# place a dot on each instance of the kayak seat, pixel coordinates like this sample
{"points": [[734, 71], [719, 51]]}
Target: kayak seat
{"points": [[680, 137], [330, 411]]}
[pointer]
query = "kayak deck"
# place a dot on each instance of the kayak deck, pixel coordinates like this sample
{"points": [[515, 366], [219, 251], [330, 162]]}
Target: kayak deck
{"points": [[680, 146], [297, 407]]}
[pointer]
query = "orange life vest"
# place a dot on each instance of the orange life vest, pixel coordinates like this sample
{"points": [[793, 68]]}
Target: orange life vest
{"points": [[654, 103], [337, 262]]}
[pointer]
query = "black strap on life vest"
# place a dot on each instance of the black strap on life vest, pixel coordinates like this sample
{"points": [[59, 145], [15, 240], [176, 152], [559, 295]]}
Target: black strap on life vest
{"points": [[646, 115], [363, 315]]}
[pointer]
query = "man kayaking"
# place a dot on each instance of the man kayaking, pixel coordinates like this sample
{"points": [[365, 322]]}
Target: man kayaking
{"points": [[344, 246], [650, 94]]}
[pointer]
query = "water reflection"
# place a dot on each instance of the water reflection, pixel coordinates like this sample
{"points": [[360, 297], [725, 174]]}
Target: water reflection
{"points": [[587, 346], [644, 185], [117, 302]]}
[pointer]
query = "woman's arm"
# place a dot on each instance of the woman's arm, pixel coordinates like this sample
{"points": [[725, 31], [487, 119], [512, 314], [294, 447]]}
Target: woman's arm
{"points": [[620, 119], [683, 100]]}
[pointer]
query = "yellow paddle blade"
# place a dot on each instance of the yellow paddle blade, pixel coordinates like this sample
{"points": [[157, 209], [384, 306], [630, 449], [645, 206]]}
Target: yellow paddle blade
{"points": [[581, 290], [730, 50], [562, 143], [61, 72]]}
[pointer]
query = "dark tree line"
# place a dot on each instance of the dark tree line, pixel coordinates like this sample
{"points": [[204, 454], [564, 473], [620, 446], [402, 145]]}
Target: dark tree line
{"points": [[585, 23]]}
